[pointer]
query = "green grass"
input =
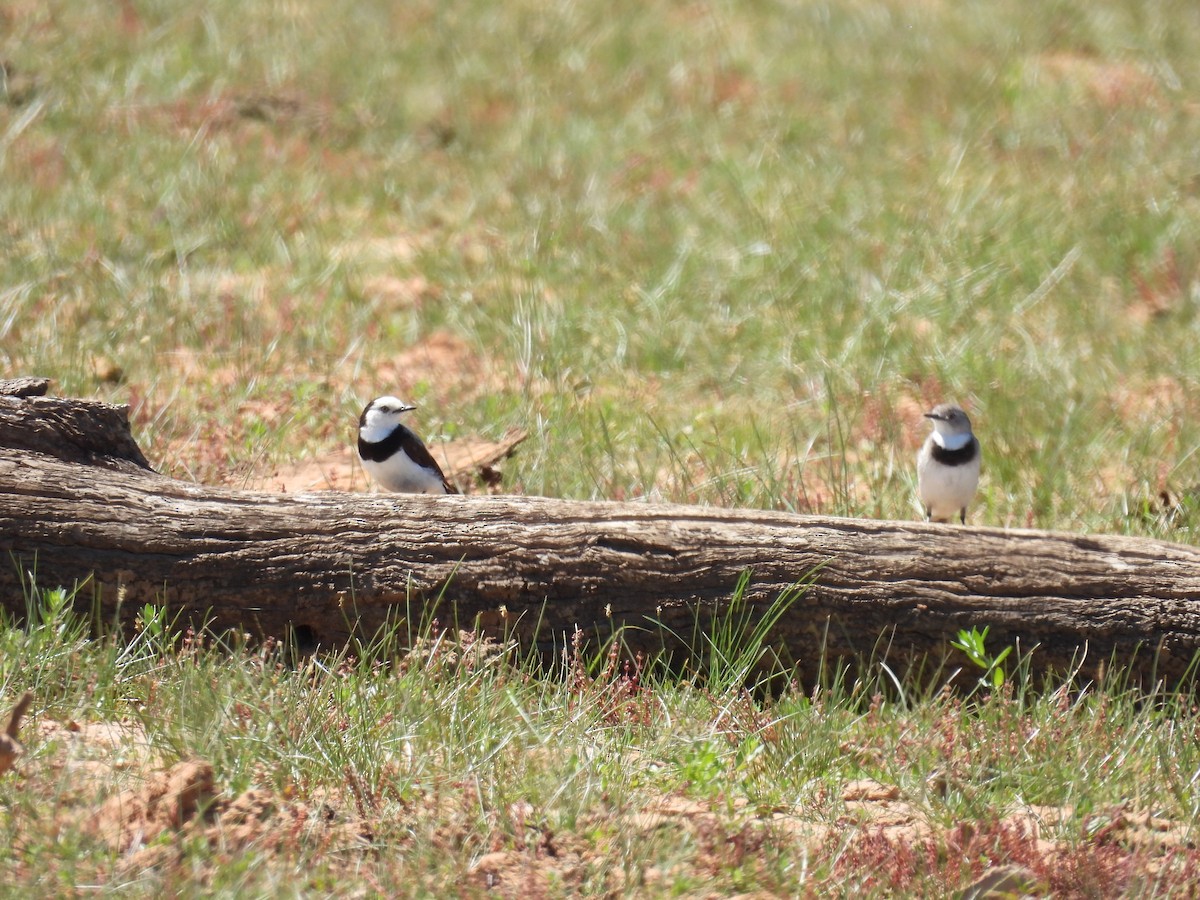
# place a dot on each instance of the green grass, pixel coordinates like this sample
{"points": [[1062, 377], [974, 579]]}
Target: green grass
{"points": [[601, 779], [716, 252], [719, 253]]}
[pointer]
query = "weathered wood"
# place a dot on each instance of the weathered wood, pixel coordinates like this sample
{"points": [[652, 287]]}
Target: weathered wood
{"points": [[24, 387], [81, 431], [79, 504]]}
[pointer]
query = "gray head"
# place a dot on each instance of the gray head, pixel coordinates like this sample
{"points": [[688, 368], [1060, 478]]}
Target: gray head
{"points": [[381, 417], [949, 420]]}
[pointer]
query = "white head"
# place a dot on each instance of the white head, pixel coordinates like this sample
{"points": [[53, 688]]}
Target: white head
{"points": [[381, 417], [951, 427]]}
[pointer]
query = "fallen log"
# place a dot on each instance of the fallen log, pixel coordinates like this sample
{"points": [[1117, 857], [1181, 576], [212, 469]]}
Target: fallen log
{"points": [[79, 504]]}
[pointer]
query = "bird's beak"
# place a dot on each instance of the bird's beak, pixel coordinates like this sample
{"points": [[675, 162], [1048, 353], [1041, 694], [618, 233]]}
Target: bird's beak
{"points": [[931, 415], [407, 408]]}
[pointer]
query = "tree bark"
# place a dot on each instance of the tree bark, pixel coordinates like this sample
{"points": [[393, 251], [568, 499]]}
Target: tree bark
{"points": [[79, 505]]}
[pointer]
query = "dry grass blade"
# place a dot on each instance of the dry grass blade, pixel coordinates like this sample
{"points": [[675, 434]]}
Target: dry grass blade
{"points": [[10, 747]]}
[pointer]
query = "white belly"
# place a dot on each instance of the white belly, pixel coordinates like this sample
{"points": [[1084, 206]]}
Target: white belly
{"points": [[401, 474], [945, 490]]}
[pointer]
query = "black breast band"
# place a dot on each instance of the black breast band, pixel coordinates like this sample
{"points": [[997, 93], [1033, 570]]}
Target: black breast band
{"points": [[381, 450], [959, 457]]}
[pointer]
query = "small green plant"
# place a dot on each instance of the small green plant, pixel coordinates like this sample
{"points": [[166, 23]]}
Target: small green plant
{"points": [[973, 644], [152, 623]]}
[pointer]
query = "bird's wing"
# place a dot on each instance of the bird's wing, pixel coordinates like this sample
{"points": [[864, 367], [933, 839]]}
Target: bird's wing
{"points": [[417, 452]]}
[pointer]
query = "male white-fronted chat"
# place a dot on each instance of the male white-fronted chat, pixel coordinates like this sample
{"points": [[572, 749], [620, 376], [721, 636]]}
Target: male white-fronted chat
{"points": [[948, 465], [393, 455]]}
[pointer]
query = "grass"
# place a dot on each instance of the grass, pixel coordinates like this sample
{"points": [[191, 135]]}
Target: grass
{"points": [[710, 252], [461, 767]]}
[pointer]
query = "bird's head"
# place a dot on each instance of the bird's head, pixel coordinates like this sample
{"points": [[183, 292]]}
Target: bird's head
{"points": [[381, 417], [949, 420]]}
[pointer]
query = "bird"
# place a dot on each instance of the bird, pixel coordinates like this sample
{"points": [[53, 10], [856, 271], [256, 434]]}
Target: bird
{"points": [[948, 465], [393, 455]]}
